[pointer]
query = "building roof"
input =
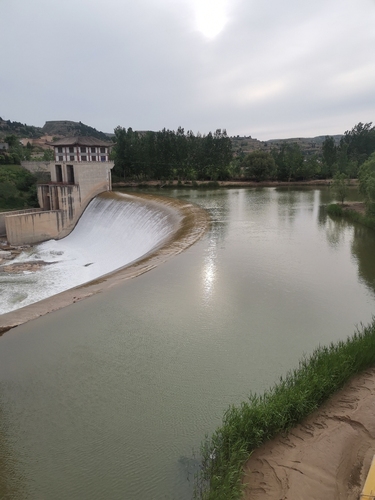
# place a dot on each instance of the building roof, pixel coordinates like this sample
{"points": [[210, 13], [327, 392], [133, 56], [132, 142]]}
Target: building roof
{"points": [[80, 141]]}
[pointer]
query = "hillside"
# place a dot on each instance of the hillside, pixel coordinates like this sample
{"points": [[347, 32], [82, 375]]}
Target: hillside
{"points": [[40, 135], [309, 145], [18, 129], [66, 128]]}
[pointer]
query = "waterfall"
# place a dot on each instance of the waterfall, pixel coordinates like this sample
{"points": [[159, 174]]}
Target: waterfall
{"points": [[114, 231]]}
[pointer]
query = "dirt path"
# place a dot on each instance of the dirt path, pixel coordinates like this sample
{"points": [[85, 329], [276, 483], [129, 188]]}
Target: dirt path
{"points": [[327, 457]]}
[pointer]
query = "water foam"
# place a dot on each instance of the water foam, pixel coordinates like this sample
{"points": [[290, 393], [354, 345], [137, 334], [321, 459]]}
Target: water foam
{"points": [[114, 231]]}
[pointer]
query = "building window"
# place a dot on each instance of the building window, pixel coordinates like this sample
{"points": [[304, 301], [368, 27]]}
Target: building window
{"points": [[71, 158], [58, 173], [61, 158], [102, 158], [92, 150], [71, 150], [84, 158], [102, 150], [83, 149], [93, 158], [59, 150], [70, 172]]}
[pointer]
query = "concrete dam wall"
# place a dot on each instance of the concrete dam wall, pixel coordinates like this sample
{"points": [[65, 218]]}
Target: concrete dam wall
{"points": [[115, 230]]}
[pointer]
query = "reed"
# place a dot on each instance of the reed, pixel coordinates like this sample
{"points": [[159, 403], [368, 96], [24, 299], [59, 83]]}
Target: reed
{"points": [[281, 407]]}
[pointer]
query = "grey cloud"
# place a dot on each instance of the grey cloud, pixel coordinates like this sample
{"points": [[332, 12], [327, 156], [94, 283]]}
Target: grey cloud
{"points": [[277, 69]]}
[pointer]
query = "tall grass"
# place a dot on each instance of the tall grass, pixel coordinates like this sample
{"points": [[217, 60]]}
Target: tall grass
{"points": [[281, 407], [337, 211]]}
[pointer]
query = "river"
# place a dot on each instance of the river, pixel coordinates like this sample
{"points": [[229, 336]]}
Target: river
{"points": [[109, 397]]}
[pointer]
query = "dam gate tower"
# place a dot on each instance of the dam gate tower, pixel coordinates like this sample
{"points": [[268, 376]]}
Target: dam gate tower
{"points": [[80, 172]]}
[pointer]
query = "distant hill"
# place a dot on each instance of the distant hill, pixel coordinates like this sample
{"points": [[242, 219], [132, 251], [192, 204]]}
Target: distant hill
{"points": [[309, 145], [58, 128], [19, 129], [65, 128]]}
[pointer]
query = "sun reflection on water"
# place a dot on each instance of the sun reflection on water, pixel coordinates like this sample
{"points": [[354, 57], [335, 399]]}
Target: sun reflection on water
{"points": [[209, 272]]}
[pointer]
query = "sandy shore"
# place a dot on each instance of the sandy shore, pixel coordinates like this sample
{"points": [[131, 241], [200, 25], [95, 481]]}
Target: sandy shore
{"points": [[193, 223], [327, 457]]}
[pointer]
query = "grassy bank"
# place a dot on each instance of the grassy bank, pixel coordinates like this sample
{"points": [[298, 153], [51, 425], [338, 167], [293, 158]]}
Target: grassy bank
{"points": [[336, 210], [280, 408]]}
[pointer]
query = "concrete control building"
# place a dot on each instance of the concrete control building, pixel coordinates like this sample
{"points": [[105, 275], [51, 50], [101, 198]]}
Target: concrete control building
{"points": [[81, 149], [81, 171]]}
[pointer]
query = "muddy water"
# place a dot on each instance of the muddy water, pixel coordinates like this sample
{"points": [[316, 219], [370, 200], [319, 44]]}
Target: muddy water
{"points": [[107, 397]]}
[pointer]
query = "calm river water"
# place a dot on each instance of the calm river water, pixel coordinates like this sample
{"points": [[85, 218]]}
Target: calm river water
{"points": [[108, 397]]}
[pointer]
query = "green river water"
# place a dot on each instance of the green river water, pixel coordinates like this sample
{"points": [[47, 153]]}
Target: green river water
{"points": [[108, 398]]}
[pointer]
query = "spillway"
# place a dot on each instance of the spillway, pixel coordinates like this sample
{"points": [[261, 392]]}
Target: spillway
{"points": [[115, 230]]}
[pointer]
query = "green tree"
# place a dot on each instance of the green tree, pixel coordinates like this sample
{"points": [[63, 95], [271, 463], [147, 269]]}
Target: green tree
{"points": [[259, 165], [340, 186], [329, 151], [17, 187], [360, 142], [48, 155], [167, 154], [366, 178], [289, 161], [11, 140]]}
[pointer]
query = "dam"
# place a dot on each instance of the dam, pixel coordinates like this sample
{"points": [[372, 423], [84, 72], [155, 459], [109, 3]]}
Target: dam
{"points": [[115, 230]]}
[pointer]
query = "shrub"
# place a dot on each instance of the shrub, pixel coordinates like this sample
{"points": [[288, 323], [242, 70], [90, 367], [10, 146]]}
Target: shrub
{"points": [[367, 220]]}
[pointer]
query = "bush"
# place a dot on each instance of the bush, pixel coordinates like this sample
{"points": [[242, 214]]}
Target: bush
{"points": [[17, 187], [335, 210], [367, 220]]}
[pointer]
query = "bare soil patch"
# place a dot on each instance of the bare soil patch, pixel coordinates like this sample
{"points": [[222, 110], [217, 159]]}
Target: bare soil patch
{"points": [[356, 206], [327, 457]]}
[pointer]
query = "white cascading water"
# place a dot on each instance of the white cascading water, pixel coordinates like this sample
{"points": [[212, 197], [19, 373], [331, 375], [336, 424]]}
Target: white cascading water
{"points": [[112, 232]]}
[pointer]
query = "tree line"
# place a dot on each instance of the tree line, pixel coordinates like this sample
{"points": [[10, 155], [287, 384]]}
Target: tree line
{"points": [[169, 155], [289, 163]]}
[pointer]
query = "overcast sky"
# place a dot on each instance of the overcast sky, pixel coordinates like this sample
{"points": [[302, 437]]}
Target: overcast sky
{"points": [[269, 69]]}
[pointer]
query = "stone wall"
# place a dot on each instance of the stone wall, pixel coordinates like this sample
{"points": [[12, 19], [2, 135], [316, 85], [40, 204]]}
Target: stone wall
{"points": [[14, 212], [33, 227]]}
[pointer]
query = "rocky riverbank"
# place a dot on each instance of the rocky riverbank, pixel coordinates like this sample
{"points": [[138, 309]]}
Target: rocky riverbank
{"points": [[8, 253]]}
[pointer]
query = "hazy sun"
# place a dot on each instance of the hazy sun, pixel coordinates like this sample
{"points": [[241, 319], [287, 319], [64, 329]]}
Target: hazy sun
{"points": [[211, 16]]}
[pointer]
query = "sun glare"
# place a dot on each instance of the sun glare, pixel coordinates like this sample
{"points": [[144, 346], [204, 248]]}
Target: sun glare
{"points": [[211, 16]]}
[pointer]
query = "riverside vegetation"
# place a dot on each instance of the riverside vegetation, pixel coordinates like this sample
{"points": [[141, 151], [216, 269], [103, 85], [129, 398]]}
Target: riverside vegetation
{"points": [[183, 156], [366, 181], [280, 408]]}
